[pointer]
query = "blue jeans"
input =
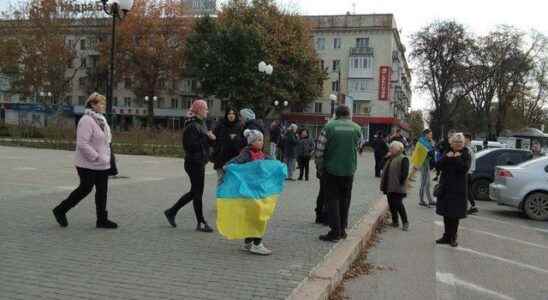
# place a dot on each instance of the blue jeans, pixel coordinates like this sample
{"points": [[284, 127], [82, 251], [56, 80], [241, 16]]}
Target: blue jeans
{"points": [[290, 167]]}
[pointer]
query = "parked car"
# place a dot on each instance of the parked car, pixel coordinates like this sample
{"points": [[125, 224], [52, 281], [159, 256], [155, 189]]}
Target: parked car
{"points": [[486, 161], [524, 186], [478, 145]]}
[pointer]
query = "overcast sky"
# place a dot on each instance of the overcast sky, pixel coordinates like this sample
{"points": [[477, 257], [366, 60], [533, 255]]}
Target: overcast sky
{"points": [[480, 16]]}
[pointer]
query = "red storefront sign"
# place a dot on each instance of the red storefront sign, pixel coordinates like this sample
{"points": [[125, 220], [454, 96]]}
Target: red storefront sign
{"points": [[384, 79]]}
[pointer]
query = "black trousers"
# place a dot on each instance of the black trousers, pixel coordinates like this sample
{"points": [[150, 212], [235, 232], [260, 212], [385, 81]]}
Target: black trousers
{"points": [[88, 179], [255, 241], [451, 227], [339, 192], [196, 172], [304, 165], [470, 193], [395, 203], [379, 165], [321, 201]]}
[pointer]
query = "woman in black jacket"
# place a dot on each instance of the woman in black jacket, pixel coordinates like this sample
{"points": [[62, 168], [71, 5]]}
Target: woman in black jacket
{"points": [[452, 191], [196, 139], [228, 140]]}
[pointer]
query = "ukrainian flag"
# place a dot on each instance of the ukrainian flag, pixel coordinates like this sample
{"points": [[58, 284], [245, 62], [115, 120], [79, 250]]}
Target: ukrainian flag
{"points": [[247, 197], [421, 151]]}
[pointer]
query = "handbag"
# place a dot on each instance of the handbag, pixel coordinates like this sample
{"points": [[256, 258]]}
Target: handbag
{"points": [[113, 171], [438, 190]]}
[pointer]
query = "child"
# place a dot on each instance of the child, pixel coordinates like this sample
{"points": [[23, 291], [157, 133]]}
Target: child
{"points": [[253, 151]]}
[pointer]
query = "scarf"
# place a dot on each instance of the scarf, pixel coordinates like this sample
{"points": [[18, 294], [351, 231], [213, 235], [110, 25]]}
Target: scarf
{"points": [[256, 154], [102, 122]]}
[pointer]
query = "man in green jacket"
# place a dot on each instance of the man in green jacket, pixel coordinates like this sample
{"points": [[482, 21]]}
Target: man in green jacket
{"points": [[336, 160]]}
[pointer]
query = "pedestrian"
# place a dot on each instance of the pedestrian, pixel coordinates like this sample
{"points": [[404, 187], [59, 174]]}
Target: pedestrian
{"points": [[536, 149], [290, 150], [397, 136], [468, 143], [393, 183], [252, 152], [93, 161], [196, 139], [275, 137], [247, 116], [336, 160], [380, 149], [420, 160], [305, 150], [442, 147], [228, 140], [452, 193]]}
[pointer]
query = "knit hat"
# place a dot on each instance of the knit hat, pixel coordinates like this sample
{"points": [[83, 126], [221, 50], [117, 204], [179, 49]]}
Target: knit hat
{"points": [[252, 135], [198, 105], [247, 114]]}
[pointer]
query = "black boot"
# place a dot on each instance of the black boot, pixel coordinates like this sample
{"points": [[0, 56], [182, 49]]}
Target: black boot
{"points": [[444, 240], [60, 216], [203, 227], [170, 217], [104, 222]]}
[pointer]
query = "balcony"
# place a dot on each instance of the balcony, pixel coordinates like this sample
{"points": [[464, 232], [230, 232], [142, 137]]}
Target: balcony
{"points": [[357, 51]]}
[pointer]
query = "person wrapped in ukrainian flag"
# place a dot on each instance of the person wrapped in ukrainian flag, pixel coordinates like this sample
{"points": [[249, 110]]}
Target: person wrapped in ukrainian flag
{"points": [[248, 193], [422, 154]]}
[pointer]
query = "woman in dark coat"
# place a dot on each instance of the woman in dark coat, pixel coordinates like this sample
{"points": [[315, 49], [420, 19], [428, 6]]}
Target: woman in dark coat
{"points": [[290, 150], [452, 201], [393, 183], [228, 140]]}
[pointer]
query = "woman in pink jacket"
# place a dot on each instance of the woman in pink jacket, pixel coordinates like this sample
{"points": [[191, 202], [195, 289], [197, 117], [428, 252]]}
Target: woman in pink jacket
{"points": [[92, 161]]}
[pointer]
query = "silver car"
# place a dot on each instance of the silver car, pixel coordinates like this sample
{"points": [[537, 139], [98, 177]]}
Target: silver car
{"points": [[524, 186]]}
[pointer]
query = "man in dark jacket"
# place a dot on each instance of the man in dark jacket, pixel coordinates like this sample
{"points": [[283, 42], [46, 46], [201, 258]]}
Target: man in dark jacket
{"points": [[228, 140], [196, 139], [380, 149]]}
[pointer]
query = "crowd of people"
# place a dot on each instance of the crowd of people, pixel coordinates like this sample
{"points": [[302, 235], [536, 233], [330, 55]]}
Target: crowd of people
{"points": [[239, 139]]}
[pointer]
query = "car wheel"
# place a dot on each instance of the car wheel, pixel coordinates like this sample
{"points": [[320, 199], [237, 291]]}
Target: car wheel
{"points": [[536, 206], [480, 189]]}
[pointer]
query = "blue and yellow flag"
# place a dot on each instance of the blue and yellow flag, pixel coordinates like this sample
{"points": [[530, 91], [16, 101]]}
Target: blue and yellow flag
{"points": [[247, 197], [421, 151]]}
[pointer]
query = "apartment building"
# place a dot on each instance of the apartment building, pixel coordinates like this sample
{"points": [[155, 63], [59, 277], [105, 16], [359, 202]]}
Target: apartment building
{"points": [[362, 54]]}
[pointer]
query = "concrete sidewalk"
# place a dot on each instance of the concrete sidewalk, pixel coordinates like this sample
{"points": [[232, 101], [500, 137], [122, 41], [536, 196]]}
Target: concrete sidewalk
{"points": [[145, 258]]}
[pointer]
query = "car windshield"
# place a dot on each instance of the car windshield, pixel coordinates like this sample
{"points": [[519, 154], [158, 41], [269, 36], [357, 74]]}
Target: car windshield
{"points": [[485, 152]]}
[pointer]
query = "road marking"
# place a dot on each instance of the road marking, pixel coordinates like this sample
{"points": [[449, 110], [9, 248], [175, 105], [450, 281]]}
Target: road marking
{"points": [[502, 237], [450, 279], [24, 169], [508, 223], [502, 259]]}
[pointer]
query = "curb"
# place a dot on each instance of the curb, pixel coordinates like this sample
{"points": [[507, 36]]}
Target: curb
{"points": [[328, 274]]}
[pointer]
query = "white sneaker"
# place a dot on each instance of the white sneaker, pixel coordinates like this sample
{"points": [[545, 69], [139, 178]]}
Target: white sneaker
{"points": [[260, 249], [246, 247]]}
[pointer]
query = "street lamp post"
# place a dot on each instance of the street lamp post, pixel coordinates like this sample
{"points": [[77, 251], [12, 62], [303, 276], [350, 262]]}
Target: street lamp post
{"points": [[154, 99], [117, 9], [266, 69], [333, 99]]}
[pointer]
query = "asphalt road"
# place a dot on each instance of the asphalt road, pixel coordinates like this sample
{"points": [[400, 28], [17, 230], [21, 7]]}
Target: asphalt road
{"points": [[501, 255]]}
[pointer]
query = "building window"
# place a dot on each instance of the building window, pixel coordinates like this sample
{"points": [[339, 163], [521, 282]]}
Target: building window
{"points": [[83, 62], [360, 85], [92, 43], [318, 107], [336, 43], [335, 86], [187, 104], [320, 43], [115, 102], [173, 103], [68, 100], [322, 64], [362, 42], [336, 65], [160, 103], [83, 44], [162, 84], [127, 83], [82, 100], [70, 63], [362, 63], [127, 102], [82, 82]]}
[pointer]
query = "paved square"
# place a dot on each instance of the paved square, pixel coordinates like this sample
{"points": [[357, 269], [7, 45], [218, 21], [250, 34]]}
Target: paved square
{"points": [[145, 258]]}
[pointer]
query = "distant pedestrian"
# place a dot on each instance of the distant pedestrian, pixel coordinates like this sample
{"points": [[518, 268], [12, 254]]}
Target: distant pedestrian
{"points": [[336, 161], [305, 149], [228, 140], [393, 183], [451, 203], [275, 137], [196, 140], [290, 150], [397, 136], [468, 143], [93, 161], [380, 149]]}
